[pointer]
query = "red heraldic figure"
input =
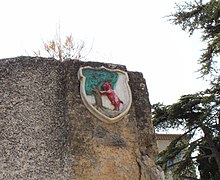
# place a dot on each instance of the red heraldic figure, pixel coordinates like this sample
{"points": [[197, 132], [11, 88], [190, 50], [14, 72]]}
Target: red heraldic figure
{"points": [[109, 92]]}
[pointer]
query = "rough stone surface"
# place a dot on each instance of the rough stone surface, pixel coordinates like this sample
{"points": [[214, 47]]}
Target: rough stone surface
{"points": [[46, 132]]}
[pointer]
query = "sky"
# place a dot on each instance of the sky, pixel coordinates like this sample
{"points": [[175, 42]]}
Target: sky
{"points": [[133, 33]]}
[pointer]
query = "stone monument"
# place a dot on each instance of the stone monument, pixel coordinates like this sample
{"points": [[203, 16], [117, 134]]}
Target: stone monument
{"points": [[74, 120]]}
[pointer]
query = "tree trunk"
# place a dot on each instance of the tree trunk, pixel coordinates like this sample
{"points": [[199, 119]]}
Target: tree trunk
{"points": [[98, 98], [213, 148]]}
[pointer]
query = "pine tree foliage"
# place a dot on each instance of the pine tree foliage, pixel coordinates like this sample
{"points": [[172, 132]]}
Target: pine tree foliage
{"points": [[197, 15], [195, 113], [198, 114]]}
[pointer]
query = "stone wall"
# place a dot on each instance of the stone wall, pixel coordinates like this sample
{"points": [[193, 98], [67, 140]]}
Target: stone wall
{"points": [[46, 132]]}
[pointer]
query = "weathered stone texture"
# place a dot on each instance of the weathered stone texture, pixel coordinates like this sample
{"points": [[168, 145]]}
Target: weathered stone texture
{"points": [[46, 132], [33, 127]]}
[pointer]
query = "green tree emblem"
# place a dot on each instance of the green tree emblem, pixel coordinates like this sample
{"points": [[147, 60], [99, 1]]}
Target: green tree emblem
{"points": [[95, 78]]}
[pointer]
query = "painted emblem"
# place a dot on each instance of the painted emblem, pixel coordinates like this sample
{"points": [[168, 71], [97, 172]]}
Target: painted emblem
{"points": [[105, 92]]}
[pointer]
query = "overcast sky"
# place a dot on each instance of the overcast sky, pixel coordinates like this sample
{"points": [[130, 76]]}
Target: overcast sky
{"points": [[129, 32]]}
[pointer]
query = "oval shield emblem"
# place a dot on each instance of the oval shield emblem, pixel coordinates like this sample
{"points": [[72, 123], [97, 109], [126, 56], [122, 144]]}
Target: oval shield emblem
{"points": [[105, 92]]}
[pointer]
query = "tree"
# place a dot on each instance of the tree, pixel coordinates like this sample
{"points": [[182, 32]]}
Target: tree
{"points": [[207, 166], [197, 113], [95, 79], [198, 15]]}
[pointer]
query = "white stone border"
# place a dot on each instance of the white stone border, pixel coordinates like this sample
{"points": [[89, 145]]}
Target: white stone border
{"points": [[90, 107]]}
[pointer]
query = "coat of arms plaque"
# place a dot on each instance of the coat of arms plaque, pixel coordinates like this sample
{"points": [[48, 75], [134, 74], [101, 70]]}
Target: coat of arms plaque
{"points": [[105, 92]]}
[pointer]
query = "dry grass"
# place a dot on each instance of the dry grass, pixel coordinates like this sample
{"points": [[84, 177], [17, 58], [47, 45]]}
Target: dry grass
{"points": [[69, 49]]}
